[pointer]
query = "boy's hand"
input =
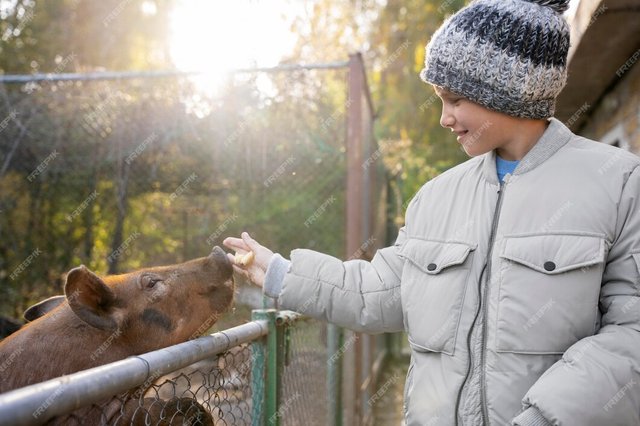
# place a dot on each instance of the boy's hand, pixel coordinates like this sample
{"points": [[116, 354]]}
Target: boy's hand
{"points": [[255, 270]]}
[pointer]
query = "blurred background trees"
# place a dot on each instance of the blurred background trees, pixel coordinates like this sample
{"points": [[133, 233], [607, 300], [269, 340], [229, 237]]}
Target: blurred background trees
{"points": [[120, 174]]}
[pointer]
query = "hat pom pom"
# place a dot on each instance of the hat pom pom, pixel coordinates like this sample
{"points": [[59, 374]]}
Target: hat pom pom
{"points": [[557, 5]]}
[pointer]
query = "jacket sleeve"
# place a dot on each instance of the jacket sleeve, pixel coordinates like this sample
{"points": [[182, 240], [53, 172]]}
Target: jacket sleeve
{"points": [[356, 294], [597, 381]]}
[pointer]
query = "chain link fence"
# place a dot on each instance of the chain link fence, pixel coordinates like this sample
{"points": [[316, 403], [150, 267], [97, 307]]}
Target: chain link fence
{"points": [[303, 400], [228, 384], [121, 173], [213, 391]]}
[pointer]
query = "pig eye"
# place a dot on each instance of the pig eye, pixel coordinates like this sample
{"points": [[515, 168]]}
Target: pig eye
{"points": [[150, 282]]}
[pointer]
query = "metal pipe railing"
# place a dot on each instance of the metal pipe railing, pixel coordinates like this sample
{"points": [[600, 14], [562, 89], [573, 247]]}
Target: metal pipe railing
{"points": [[287, 317], [35, 404], [125, 75]]}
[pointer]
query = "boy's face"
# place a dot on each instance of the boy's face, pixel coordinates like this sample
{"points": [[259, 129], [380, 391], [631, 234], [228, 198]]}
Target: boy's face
{"points": [[479, 129]]}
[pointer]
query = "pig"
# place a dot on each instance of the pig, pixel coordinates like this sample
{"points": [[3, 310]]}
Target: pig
{"points": [[102, 320], [8, 326]]}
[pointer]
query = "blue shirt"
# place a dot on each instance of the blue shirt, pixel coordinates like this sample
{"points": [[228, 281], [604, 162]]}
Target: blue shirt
{"points": [[505, 166]]}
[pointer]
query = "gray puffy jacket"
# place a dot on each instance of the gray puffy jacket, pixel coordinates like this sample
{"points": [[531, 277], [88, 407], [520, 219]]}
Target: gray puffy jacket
{"points": [[520, 300]]}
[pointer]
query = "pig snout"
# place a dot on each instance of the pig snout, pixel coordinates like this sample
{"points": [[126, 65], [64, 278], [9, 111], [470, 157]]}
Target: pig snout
{"points": [[219, 258]]}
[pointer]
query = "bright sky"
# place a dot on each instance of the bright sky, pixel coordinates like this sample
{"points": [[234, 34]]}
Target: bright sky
{"points": [[216, 36]]}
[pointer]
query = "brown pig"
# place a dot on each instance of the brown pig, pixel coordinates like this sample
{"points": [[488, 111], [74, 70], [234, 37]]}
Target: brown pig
{"points": [[107, 319]]}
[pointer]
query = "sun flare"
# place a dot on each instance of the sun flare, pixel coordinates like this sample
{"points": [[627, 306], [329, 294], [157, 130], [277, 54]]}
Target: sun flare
{"points": [[215, 37]]}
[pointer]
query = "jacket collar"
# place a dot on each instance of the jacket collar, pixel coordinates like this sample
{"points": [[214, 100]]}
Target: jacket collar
{"points": [[555, 137]]}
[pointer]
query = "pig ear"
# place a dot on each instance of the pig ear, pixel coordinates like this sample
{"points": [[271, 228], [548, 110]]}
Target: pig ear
{"points": [[90, 298], [42, 308]]}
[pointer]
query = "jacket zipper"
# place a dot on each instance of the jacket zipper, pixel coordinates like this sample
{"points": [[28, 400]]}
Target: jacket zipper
{"points": [[486, 266], [470, 363], [494, 227]]}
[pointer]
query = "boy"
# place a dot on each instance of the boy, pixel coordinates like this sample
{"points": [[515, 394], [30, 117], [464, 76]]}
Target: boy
{"points": [[517, 273]]}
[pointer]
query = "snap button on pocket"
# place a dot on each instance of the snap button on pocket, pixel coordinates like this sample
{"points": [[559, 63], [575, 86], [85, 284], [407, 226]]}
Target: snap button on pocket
{"points": [[431, 267], [549, 266]]}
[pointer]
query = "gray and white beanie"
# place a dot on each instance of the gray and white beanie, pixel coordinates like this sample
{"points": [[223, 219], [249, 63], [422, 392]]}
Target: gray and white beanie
{"points": [[507, 55]]}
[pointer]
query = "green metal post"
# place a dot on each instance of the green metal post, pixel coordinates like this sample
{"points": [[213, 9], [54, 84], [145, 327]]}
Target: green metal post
{"points": [[334, 374], [265, 394]]}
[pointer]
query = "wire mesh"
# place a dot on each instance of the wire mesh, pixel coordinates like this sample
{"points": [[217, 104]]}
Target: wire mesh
{"points": [[303, 399], [215, 391], [122, 174]]}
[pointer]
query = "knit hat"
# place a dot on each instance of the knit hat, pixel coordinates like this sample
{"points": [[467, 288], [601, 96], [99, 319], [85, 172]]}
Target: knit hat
{"points": [[507, 55]]}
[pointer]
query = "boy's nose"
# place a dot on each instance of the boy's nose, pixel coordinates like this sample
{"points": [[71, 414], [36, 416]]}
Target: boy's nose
{"points": [[446, 119]]}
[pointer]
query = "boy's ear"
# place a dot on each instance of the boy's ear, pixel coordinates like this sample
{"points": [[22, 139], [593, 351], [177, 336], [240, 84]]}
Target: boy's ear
{"points": [[42, 308], [90, 298]]}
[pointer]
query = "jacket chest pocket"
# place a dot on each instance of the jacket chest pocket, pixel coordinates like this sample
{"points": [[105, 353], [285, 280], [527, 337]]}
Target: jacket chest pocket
{"points": [[549, 291], [433, 286]]}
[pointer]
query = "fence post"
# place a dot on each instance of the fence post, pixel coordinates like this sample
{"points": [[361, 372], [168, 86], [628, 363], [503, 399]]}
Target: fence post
{"points": [[355, 205], [335, 340], [265, 377]]}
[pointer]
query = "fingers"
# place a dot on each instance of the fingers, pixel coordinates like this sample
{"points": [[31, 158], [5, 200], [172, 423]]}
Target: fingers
{"points": [[250, 242], [235, 244]]}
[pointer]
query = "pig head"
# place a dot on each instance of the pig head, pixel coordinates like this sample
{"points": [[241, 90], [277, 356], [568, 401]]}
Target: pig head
{"points": [[106, 319]]}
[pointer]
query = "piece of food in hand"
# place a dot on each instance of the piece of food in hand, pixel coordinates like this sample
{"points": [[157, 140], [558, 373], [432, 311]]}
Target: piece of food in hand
{"points": [[244, 259]]}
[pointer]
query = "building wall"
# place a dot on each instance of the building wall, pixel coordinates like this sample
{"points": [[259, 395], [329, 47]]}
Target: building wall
{"points": [[616, 118]]}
